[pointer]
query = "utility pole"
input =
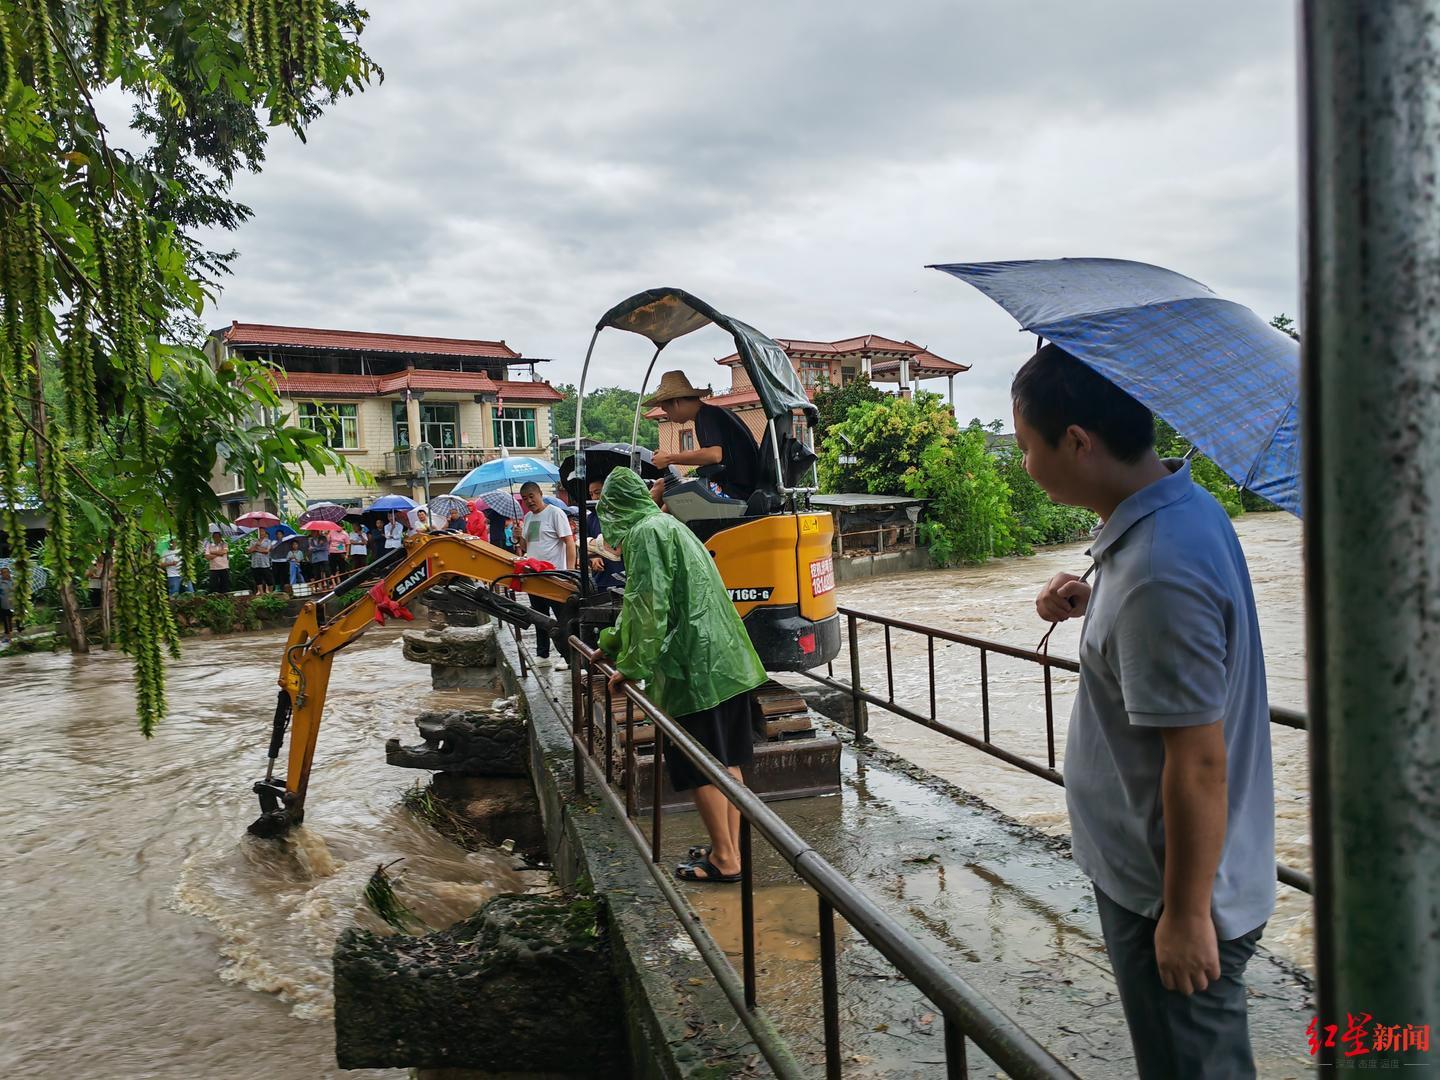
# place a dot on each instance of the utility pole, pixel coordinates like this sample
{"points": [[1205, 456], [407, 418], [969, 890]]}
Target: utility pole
{"points": [[1370, 356]]}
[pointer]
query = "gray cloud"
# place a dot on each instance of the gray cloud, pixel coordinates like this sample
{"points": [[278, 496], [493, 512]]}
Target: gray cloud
{"points": [[526, 166]]}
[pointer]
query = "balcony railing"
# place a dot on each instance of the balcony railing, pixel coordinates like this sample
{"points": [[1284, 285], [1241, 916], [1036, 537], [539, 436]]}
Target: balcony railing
{"points": [[448, 462]]}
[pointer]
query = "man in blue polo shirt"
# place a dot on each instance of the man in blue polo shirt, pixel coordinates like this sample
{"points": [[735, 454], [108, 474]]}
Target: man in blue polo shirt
{"points": [[1167, 765]]}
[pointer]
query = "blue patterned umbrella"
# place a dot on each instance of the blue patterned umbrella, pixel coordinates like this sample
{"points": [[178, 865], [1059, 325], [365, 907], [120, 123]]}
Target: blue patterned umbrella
{"points": [[1214, 370]]}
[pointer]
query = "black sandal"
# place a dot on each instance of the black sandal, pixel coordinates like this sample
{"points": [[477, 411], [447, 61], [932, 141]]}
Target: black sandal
{"points": [[699, 852], [692, 872]]}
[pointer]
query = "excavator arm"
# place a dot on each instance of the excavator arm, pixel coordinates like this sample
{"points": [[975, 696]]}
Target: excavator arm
{"points": [[427, 560]]}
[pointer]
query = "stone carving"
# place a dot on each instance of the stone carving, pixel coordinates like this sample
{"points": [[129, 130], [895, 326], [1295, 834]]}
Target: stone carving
{"points": [[465, 742], [523, 986], [452, 646]]}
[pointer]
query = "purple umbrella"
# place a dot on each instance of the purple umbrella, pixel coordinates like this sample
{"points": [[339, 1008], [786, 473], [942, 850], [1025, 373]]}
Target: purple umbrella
{"points": [[323, 511]]}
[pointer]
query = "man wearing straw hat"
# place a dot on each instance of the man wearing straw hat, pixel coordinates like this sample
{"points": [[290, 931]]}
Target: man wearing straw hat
{"points": [[725, 445]]}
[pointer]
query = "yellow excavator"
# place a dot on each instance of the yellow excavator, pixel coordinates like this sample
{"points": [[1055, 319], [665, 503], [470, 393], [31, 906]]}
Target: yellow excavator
{"points": [[772, 553], [427, 560]]}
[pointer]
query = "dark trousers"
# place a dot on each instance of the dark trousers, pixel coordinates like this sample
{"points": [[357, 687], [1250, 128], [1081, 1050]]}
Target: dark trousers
{"points": [[542, 636], [1179, 1037], [220, 580], [7, 616]]}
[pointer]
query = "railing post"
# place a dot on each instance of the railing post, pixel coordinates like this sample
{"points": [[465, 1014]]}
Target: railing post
{"points": [[655, 785], [956, 1067], [829, 990], [859, 707], [629, 759], [585, 703], [985, 693], [747, 911]]}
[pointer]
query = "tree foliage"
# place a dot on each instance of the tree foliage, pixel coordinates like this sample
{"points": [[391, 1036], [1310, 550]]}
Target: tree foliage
{"points": [[833, 403], [609, 416], [912, 447], [103, 282]]}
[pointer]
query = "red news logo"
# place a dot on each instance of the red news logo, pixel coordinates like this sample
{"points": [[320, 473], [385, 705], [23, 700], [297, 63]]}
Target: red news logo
{"points": [[1362, 1037]]}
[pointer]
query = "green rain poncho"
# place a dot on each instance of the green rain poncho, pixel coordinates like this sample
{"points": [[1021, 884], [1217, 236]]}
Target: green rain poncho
{"points": [[678, 630]]}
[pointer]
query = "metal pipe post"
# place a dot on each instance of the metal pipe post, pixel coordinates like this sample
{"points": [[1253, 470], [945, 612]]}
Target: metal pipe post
{"points": [[1371, 438], [859, 710]]}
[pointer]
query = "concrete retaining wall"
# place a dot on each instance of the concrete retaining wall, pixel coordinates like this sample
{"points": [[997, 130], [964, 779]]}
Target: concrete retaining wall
{"points": [[859, 567]]}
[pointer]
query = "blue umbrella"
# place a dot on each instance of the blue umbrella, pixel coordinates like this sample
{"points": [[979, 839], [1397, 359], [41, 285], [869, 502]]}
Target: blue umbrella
{"points": [[504, 472], [1213, 369], [393, 502]]}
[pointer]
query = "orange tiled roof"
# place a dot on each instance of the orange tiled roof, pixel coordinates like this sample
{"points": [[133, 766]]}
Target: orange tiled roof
{"points": [[307, 384], [313, 384], [527, 391], [468, 382], [925, 360], [261, 334]]}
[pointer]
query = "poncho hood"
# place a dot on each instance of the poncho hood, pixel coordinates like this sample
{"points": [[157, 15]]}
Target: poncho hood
{"points": [[624, 502]]}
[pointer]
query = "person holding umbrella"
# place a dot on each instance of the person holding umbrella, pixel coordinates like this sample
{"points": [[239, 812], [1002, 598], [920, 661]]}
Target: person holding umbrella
{"points": [[318, 550], [259, 552], [1167, 764]]}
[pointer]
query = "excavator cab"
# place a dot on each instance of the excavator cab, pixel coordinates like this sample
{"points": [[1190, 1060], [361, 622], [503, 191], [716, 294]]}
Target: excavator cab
{"points": [[772, 552]]}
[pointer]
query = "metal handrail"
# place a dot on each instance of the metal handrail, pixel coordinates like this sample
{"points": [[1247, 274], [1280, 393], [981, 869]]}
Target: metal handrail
{"points": [[967, 1012], [1280, 716]]}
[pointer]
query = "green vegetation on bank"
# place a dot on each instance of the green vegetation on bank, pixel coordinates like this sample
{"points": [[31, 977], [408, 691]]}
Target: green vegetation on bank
{"points": [[981, 502]]}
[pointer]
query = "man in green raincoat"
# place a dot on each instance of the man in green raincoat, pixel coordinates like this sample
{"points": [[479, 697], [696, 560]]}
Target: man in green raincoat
{"points": [[679, 632]]}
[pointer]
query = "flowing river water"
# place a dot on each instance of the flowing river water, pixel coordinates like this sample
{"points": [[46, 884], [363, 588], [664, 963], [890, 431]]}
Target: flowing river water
{"points": [[149, 937], [141, 919]]}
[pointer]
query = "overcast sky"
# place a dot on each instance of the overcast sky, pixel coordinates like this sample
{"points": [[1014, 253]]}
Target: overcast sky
{"points": [[525, 166]]}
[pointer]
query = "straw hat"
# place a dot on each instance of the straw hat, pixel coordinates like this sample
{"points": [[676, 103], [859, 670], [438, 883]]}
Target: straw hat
{"points": [[674, 384]]}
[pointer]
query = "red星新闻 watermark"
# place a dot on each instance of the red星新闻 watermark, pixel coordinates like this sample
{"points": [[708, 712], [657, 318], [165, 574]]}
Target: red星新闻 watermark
{"points": [[1362, 1038]]}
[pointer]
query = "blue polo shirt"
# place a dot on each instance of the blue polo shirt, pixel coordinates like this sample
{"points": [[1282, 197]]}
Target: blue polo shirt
{"points": [[1170, 639]]}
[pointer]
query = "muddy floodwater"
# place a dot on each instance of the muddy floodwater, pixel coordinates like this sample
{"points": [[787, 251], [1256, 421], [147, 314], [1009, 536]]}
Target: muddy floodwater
{"points": [[997, 601], [140, 918]]}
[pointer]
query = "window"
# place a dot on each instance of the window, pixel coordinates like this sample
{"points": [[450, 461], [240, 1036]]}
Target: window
{"points": [[340, 424], [402, 425], [687, 440], [814, 372], [515, 428]]}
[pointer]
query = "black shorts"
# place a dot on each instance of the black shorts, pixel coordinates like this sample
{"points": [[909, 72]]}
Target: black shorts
{"points": [[724, 730]]}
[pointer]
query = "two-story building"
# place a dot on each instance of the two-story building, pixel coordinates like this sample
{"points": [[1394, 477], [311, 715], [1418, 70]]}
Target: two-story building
{"points": [[378, 396], [902, 363]]}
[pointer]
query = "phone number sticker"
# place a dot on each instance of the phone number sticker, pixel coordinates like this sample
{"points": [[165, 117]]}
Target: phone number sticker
{"points": [[822, 576]]}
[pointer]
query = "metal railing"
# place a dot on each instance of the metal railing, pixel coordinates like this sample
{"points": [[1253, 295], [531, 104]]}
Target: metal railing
{"points": [[449, 461], [968, 1014], [861, 697]]}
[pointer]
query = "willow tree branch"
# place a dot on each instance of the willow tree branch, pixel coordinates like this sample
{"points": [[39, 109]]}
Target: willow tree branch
{"points": [[74, 469]]}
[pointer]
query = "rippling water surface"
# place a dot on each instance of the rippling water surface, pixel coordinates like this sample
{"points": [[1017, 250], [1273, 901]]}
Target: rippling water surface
{"points": [[142, 920]]}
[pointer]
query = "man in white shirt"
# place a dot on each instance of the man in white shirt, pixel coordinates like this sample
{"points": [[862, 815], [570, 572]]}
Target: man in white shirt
{"points": [[545, 534], [394, 534]]}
